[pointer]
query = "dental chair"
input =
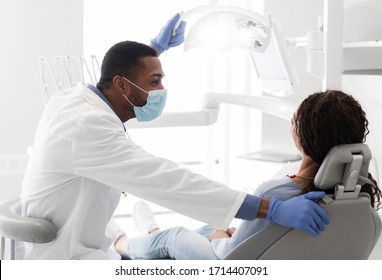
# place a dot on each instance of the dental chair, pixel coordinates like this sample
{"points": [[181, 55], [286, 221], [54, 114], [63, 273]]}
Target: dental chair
{"points": [[15, 227], [354, 227]]}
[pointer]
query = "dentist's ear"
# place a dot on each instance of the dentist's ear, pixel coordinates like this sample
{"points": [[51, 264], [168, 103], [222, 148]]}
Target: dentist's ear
{"points": [[120, 84]]}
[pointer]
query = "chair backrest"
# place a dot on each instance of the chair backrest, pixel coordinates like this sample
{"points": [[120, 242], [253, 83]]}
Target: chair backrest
{"points": [[354, 227], [15, 227]]}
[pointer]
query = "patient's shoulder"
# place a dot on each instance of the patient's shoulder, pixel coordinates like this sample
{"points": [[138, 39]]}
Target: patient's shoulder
{"points": [[283, 188]]}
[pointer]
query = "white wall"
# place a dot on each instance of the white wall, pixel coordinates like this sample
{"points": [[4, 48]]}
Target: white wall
{"points": [[189, 75], [296, 18], [362, 23], [366, 88], [29, 30]]}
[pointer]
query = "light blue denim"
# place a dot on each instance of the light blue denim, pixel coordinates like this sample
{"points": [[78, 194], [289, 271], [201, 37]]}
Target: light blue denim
{"points": [[183, 244], [177, 243]]}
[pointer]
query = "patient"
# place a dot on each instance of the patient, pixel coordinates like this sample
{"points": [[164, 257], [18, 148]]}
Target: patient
{"points": [[322, 121]]}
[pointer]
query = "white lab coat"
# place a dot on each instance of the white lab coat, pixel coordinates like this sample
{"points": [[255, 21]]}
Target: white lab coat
{"points": [[82, 161]]}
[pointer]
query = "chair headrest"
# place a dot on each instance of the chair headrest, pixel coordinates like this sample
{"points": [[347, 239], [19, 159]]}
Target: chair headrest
{"points": [[336, 164]]}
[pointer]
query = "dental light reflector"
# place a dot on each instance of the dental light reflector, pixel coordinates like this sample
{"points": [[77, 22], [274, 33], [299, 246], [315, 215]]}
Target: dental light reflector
{"points": [[227, 27]]}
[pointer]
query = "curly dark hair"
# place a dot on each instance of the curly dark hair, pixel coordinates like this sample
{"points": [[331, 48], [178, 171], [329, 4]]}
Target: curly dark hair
{"points": [[330, 118]]}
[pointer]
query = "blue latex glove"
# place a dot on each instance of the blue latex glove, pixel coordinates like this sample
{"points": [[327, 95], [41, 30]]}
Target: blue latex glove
{"points": [[164, 40], [299, 212]]}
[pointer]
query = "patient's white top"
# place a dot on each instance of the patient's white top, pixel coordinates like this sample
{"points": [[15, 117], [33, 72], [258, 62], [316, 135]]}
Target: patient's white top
{"points": [[82, 161], [284, 189]]}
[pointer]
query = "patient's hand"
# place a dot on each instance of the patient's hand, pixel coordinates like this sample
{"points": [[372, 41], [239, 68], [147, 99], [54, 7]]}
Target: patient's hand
{"points": [[120, 244], [219, 233]]}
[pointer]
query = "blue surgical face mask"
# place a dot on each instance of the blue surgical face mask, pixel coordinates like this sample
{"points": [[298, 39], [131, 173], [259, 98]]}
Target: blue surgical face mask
{"points": [[153, 108]]}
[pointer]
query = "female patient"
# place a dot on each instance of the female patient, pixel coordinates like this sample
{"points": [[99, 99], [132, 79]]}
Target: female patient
{"points": [[322, 121]]}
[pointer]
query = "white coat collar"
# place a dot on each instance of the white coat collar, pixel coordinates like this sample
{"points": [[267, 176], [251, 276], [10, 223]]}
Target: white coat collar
{"points": [[92, 98]]}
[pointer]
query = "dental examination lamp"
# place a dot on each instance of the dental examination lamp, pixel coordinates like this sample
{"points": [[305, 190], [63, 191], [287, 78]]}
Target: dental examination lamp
{"points": [[224, 28], [227, 27]]}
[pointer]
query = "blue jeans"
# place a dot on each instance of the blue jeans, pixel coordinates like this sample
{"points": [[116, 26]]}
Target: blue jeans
{"points": [[175, 243]]}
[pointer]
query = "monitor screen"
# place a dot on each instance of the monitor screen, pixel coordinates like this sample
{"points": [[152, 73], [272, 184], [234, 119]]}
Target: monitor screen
{"points": [[273, 66]]}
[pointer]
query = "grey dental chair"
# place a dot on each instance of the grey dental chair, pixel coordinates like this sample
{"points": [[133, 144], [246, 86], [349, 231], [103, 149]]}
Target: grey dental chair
{"points": [[15, 227], [354, 227]]}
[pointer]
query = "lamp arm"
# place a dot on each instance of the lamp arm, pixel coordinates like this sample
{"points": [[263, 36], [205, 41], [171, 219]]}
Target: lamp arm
{"points": [[272, 105], [210, 110]]}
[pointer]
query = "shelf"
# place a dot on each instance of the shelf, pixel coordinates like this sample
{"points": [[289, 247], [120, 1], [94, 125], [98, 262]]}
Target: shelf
{"points": [[362, 57]]}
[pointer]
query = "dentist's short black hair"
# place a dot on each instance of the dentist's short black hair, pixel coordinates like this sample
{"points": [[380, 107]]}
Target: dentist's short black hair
{"points": [[123, 59]]}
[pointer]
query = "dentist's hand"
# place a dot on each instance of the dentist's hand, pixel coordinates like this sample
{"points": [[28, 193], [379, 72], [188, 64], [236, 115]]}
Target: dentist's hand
{"points": [[165, 39], [299, 212]]}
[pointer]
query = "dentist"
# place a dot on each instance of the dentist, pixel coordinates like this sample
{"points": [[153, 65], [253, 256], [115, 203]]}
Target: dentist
{"points": [[82, 160]]}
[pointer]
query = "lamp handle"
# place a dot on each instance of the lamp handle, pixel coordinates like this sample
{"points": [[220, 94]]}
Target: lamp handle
{"points": [[177, 24]]}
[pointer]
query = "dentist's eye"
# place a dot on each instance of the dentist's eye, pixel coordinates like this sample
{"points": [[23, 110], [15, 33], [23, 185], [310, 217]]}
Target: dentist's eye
{"points": [[156, 82]]}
